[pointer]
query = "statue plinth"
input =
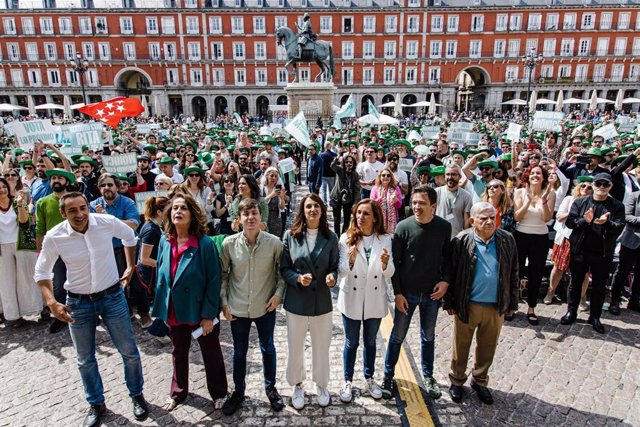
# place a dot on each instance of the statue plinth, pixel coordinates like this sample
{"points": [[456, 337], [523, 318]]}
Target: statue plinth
{"points": [[314, 99]]}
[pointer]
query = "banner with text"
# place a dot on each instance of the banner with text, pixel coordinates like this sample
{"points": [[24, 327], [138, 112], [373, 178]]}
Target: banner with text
{"points": [[547, 121], [28, 133], [122, 163], [141, 198]]}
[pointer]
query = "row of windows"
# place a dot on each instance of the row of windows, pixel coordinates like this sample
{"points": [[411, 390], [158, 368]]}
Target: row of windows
{"points": [[439, 24], [168, 51], [582, 73]]}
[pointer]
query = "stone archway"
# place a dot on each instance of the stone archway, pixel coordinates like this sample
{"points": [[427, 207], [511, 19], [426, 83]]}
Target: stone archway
{"points": [[471, 88], [132, 81], [282, 100], [242, 105], [364, 104], [408, 100], [199, 107], [385, 100], [220, 105], [262, 107]]}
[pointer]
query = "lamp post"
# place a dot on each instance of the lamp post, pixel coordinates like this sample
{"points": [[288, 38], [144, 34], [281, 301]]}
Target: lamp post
{"points": [[530, 60], [81, 66]]}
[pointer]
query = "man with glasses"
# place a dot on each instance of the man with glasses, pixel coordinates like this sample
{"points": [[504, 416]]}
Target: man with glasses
{"points": [[368, 171], [484, 288], [144, 168], [165, 166], [487, 167], [596, 221], [29, 173], [454, 203]]}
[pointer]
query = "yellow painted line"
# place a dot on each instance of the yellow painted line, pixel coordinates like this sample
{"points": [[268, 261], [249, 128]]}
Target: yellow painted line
{"points": [[416, 410]]}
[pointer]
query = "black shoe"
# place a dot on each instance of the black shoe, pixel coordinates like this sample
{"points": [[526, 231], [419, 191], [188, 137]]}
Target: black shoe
{"points": [[568, 318], [232, 403], [456, 392], [56, 326], [388, 387], [633, 305], [483, 393], [140, 408], [533, 319], [597, 325], [614, 308], [277, 404], [93, 417]]}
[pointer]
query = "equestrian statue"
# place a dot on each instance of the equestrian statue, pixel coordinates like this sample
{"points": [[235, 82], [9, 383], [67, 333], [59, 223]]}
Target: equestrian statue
{"points": [[304, 47]]}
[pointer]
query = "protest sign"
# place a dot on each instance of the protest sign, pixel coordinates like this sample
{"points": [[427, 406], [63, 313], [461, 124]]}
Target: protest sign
{"points": [[297, 128], [465, 137], [122, 163], [430, 132], [28, 133], [142, 197], [513, 133], [547, 121], [414, 136], [286, 165], [624, 124], [405, 165], [606, 132], [91, 135], [461, 127]]}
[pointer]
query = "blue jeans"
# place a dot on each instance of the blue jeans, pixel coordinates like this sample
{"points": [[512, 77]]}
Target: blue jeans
{"points": [[325, 189], [240, 329], [115, 314], [401, 322], [351, 341]]}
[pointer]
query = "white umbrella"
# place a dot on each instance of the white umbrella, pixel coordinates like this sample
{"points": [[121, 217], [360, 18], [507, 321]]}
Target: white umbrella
{"points": [[10, 107], [145, 107], [397, 108], [560, 101], [67, 105], [605, 101], [432, 104], [619, 98], [593, 102], [32, 110], [50, 106], [544, 101], [533, 99], [515, 102], [383, 120], [156, 105], [76, 106], [576, 101], [420, 104], [631, 101], [389, 104]]}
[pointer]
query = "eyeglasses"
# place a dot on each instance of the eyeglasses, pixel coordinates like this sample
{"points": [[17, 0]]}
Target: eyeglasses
{"points": [[28, 168], [242, 158], [369, 152], [12, 175], [494, 186], [386, 175], [194, 175], [586, 187], [602, 184], [108, 185], [228, 181]]}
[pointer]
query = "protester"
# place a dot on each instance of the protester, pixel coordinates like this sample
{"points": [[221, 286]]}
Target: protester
{"points": [[366, 265], [248, 188], [252, 289], [484, 288], [309, 267], [315, 166], [387, 193], [188, 297], [345, 192], [418, 285], [94, 288], [271, 189], [454, 203], [368, 171]]}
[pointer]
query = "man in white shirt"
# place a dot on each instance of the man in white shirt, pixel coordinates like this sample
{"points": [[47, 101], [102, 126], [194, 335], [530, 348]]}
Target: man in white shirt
{"points": [[84, 242], [368, 171], [165, 166], [454, 203]]}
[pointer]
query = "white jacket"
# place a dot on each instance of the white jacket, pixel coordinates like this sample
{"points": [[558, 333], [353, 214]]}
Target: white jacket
{"points": [[363, 290]]}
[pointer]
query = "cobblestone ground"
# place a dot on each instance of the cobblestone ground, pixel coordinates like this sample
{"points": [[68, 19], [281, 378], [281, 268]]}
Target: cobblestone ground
{"points": [[547, 375]]}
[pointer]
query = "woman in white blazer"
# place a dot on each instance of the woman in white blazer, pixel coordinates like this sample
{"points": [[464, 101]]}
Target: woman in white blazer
{"points": [[366, 266]]}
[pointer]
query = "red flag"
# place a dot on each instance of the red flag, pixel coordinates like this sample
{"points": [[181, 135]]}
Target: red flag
{"points": [[110, 112]]}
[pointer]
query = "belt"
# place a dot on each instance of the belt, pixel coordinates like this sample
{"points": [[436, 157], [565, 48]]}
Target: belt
{"points": [[98, 295]]}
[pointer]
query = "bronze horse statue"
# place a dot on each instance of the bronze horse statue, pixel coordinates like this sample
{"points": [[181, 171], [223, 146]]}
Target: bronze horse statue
{"points": [[320, 51]]}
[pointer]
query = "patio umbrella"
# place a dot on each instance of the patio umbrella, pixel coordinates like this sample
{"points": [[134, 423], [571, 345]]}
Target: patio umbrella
{"points": [[76, 106], [389, 104], [619, 98], [31, 108], [67, 105], [145, 107], [533, 99], [383, 120], [432, 104], [10, 107], [544, 101], [559, 101], [515, 102], [49, 106], [631, 101], [576, 101], [420, 104], [593, 102], [156, 105], [397, 108]]}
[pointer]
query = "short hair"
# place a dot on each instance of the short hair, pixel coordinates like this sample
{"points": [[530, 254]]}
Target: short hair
{"points": [[454, 166], [392, 155], [327, 145], [481, 207], [71, 195], [106, 176], [248, 204], [429, 191]]}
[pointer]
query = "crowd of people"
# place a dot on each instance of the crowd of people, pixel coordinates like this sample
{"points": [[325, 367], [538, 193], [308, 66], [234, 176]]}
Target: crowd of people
{"points": [[440, 224]]}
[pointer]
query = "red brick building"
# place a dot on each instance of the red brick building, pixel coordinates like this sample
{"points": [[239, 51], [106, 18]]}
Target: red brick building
{"points": [[213, 56]]}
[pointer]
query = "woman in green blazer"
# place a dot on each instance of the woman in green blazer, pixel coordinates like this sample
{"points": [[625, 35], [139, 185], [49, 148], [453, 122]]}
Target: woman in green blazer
{"points": [[309, 266], [188, 297]]}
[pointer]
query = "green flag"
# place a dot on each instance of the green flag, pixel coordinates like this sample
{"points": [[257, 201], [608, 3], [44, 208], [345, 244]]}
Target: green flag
{"points": [[347, 110], [373, 110], [237, 117], [298, 129]]}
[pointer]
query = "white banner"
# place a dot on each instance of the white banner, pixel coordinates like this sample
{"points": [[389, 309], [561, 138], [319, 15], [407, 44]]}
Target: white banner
{"points": [[429, 132], [28, 133], [405, 165], [142, 197], [547, 120], [461, 127], [286, 165], [513, 133], [624, 124], [297, 128], [122, 163], [607, 132]]}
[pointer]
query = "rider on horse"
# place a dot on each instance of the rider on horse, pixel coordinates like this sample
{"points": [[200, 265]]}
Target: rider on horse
{"points": [[305, 34]]}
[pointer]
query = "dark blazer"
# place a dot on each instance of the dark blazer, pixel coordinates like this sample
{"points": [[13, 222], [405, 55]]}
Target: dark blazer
{"points": [[630, 237], [608, 232], [315, 299], [195, 292]]}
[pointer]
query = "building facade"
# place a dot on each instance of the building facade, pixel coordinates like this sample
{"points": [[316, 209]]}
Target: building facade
{"points": [[209, 57]]}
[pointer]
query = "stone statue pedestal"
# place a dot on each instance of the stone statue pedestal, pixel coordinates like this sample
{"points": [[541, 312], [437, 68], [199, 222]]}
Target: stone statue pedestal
{"points": [[314, 99]]}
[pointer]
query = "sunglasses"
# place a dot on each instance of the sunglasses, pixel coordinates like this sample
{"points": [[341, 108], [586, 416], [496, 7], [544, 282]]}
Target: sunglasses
{"points": [[228, 181], [494, 186], [242, 159], [348, 163], [28, 168], [601, 184], [194, 175], [109, 185], [586, 187], [386, 175], [190, 155], [535, 157], [12, 175], [485, 168], [369, 152], [124, 184]]}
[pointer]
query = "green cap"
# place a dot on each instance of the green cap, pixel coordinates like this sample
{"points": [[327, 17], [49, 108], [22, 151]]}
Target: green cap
{"points": [[85, 159], [190, 169], [61, 172], [166, 160], [491, 163], [123, 177], [585, 178]]}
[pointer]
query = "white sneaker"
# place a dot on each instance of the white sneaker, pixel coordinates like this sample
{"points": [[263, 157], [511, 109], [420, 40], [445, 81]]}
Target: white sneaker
{"points": [[323, 397], [374, 390], [345, 392], [297, 398]]}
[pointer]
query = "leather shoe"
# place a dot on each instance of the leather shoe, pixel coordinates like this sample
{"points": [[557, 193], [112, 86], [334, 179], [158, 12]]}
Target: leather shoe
{"points": [[568, 318], [483, 393], [140, 408], [93, 417], [614, 308], [456, 392], [597, 325]]}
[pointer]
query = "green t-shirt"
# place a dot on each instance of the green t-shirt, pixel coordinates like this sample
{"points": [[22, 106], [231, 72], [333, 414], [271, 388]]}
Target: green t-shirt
{"points": [[47, 214]]}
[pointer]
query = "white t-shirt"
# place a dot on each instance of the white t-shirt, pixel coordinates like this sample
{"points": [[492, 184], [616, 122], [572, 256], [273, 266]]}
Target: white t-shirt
{"points": [[312, 235], [8, 226], [368, 172]]}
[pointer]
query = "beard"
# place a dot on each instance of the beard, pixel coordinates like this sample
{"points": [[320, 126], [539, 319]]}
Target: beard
{"points": [[58, 188], [109, 195]]}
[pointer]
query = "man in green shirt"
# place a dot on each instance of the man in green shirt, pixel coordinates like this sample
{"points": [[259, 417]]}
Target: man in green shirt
{"points": [[48, 216], [252, 289]]}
